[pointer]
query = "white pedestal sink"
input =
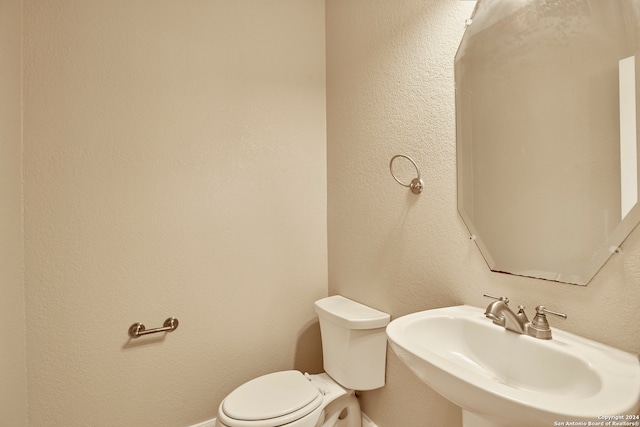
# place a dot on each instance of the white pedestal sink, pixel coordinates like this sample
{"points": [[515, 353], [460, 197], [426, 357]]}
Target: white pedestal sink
{"points": [[503, 379]]}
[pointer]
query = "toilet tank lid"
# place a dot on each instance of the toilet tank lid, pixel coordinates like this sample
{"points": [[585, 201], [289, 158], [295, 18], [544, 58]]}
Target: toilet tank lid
{"points": [[351, 314]]}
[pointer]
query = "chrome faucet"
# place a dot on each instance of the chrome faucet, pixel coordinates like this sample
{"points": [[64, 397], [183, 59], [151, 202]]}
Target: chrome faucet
{"points": [[500, 313]]}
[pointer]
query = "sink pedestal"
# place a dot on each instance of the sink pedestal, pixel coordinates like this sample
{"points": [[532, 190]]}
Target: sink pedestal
{"points": [[472, 420]]}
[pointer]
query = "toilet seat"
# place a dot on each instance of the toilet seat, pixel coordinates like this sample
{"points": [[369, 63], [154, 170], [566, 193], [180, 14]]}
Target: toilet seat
{"points": [[273, 399]]}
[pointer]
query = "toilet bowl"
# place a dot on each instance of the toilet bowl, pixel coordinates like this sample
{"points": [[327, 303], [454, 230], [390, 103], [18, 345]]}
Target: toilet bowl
{"points": [[354, 350]]}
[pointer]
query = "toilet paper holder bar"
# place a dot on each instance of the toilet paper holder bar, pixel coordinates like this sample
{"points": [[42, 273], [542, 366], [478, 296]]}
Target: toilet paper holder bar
{"points": [[137, 329]]}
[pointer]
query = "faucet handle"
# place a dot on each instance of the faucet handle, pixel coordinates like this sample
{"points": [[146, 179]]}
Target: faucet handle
{"points": [[539, 326], [541, 309], [504, 299]]}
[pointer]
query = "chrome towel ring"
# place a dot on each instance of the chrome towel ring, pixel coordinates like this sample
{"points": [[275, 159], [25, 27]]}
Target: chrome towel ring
{"points": [[416, 185]]}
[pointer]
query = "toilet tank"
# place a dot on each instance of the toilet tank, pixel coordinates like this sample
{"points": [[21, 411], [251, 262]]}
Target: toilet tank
{"points": [[354, 342]]}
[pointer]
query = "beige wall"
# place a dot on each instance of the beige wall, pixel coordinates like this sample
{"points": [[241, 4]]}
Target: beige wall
{"points": [[175, 165], [13, 389], [390, 90]]}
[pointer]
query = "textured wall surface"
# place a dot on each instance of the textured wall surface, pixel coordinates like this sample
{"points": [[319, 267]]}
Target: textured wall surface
{"points": [[390, 90], [175, 165], [13, 391]]}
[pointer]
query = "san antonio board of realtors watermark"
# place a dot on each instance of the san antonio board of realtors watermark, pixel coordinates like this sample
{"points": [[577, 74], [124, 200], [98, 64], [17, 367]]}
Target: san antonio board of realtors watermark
{"points": [[604, 420]]}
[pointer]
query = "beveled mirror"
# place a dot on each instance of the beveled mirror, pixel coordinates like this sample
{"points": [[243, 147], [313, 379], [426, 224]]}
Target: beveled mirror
{"points": [[546, 95]]}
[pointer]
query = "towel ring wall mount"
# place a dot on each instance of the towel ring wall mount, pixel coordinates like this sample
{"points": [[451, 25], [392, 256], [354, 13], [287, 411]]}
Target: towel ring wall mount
{"points": [[416, 185]]}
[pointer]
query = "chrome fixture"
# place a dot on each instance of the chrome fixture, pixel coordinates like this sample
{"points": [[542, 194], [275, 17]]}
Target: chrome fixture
{"points": [[416, 185], [502, 315], [539, 326], [137, 329]]}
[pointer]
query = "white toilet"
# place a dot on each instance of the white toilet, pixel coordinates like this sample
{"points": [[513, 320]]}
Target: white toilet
{"points": [[354, 347]]}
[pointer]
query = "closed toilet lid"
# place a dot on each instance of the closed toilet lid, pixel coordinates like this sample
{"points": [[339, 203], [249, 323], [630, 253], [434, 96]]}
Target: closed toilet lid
{"points": [[271, 396]]}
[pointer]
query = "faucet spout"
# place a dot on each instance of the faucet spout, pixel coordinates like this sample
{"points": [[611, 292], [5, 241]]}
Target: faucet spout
{"points": [[497, 320], [502, 315]]}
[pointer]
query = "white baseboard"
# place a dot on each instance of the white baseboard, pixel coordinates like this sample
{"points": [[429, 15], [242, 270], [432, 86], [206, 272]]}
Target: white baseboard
{"points": [[208, 423], [366, 422]]}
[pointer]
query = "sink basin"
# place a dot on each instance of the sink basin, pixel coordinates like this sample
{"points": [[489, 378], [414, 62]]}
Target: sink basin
{"points": [[501, 378]]}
